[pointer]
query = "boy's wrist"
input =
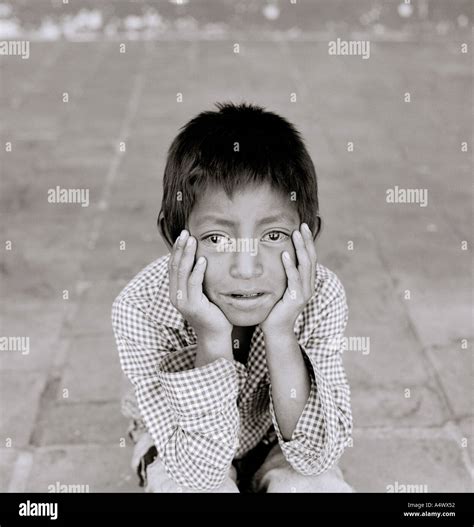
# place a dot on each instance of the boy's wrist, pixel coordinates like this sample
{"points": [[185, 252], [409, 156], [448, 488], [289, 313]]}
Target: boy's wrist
{"points": [[213, 334], [212, 346], [280, 345], [275, 333]]}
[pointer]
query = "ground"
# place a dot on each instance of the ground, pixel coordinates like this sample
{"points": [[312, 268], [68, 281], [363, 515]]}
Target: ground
{"points": [[407, 274]]}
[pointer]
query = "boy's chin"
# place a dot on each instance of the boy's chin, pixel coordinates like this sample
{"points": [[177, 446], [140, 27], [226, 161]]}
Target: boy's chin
{"points": [[242, 318]]}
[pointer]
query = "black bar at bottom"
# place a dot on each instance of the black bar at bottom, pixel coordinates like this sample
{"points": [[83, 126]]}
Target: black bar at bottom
{"points": [[157, 509]]}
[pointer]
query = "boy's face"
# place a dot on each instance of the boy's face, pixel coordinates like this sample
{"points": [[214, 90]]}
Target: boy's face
{"points": [[242, 239]]}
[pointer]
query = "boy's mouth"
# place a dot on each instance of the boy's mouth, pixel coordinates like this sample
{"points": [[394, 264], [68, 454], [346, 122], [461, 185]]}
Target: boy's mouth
{"points": [[245, 300], [243, 294]]}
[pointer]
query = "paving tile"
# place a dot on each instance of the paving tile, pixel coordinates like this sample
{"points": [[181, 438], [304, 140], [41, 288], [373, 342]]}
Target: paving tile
{"points": [[22, 390], [374, 463], [39, 326], [467, 429], [94, 310], [8, 457], [392, 353], [127, 263], [455, 371], [81, 423], [92, 372], [46, 257], [104, 468], [386, 405]]}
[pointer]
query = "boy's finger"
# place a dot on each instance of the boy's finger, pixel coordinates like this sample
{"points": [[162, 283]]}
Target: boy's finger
{"points": [[185, 266], [173, 264], [309, 242], [196, 279], [294, 278], [304, 263]]}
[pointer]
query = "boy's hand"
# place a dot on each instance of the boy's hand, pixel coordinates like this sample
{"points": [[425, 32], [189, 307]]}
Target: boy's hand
{"points": [[300, 284], [186, 292]]}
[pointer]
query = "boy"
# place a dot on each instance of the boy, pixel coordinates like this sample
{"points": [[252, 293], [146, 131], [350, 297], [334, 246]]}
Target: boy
{"points": [[233, 341]]}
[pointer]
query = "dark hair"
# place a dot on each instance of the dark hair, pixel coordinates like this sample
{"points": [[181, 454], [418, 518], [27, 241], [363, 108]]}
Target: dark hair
{"points": [[231, 148]]}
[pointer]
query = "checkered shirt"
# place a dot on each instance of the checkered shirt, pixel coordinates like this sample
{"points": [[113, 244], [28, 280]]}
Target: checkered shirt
{"points": [[202, 418]]}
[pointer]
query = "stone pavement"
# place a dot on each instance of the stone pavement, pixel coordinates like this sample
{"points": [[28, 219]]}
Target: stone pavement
{"points": [[407, 276]]}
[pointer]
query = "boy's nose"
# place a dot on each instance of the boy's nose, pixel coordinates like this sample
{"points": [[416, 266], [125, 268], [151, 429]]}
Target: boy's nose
{"points": [[245, 265]]}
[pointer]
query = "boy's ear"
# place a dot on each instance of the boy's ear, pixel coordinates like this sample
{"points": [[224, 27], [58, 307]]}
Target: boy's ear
{"points": [[164, 232], [317, 227]]}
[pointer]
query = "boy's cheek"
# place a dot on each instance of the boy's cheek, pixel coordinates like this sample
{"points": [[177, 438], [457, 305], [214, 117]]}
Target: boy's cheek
{"points": [[199, 250], [211, 255], [275, 260]]}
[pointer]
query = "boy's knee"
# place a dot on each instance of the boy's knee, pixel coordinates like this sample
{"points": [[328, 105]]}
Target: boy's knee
{"points": [[158, 481], [287, 480]]}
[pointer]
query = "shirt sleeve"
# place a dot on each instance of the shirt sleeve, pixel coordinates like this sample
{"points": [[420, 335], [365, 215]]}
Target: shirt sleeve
{"points": [[325, 425], [191, 413]]}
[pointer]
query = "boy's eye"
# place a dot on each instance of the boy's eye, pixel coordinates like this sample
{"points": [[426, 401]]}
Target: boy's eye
{"points": [[216, 239], [275, 236]]}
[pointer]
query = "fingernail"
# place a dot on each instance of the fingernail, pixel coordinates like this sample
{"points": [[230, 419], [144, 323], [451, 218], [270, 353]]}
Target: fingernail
{"points": [[183, 235], [201, 260], [286, 256], [191, 242], [298, 235], [306, 228]]}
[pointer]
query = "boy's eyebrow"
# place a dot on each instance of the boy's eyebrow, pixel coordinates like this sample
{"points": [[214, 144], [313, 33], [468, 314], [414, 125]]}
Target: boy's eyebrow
{"points": [[223, 221]]}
